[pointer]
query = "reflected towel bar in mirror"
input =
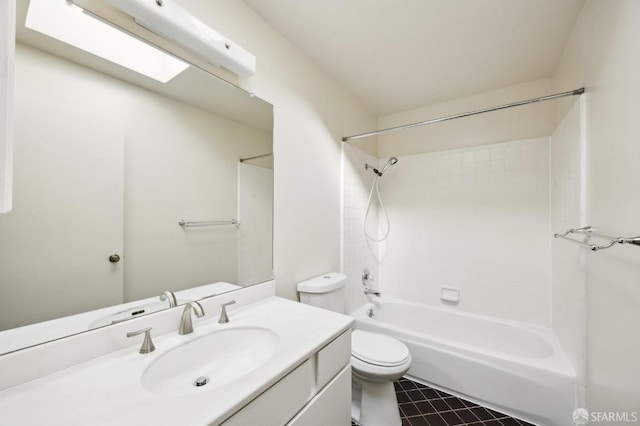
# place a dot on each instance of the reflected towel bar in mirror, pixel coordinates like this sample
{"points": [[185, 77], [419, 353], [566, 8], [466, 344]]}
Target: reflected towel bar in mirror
{"points": [[185, 224], [591, 232]]}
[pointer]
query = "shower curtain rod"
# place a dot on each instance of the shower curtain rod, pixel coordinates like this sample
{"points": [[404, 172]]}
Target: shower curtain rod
{"points": [[465, 114], [242, 160]]}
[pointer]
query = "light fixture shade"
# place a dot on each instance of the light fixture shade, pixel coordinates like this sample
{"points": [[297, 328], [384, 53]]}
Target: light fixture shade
{"points": [[68, 24], [169, 20]]}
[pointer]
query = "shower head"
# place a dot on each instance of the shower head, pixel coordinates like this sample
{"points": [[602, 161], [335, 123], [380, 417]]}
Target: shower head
{"points": [[390, 162]]}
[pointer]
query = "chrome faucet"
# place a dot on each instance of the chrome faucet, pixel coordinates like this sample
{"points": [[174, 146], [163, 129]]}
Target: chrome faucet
{"points": [[367, 278], [186, 326], [168, 295], [147, 343], [370, 291], [224, 318]]}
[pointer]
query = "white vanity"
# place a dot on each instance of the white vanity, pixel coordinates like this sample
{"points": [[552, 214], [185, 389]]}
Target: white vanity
{"points": [[276, 362]]}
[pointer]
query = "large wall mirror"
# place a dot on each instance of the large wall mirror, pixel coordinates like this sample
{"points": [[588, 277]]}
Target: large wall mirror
{"points": [[107, 163]]}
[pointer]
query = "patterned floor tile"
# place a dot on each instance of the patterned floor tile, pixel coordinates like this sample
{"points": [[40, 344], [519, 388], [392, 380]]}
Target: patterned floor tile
{"points": [[421, 405]]}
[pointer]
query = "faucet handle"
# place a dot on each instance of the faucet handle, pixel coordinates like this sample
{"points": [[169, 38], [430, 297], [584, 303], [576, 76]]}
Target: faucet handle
{"points": [[367, 277], [224, 318], [147, 343]]}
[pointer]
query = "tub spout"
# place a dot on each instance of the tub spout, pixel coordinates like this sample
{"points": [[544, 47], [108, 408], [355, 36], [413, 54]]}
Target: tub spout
{"points": [[370, 291]]}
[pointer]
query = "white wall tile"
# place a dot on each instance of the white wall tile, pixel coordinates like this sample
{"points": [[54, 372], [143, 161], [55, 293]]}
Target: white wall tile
{"points": [[568, 263], [477, 228], [356, 253]]}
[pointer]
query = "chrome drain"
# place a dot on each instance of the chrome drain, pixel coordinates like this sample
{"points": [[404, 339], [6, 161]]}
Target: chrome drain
{"points": [[201, 381]]}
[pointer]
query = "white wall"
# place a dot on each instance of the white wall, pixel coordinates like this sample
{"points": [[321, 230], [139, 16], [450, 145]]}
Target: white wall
{"points": [[475, 219], [569, 261], [311, 113], [603, 55]]}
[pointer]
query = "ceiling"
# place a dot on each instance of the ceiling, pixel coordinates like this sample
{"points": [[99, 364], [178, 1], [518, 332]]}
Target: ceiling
{"points": [[397, 55]]}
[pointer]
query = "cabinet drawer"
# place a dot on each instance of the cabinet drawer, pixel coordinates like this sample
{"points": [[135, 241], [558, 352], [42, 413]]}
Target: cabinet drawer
{"points": [[332, 358], [332, 406], [278, 404]]}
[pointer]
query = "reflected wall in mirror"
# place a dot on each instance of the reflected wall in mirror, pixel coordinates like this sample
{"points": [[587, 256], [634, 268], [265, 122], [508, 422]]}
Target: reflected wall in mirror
{"points": [[107, 162]]}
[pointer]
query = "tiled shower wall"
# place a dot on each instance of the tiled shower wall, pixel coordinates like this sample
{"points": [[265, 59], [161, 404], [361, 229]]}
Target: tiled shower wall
{"points": [[474, 219], [356, 255], [569, 261]]}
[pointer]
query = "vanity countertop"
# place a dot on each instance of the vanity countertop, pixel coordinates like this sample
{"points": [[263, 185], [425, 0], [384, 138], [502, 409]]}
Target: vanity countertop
{"points": [[109, 390]]}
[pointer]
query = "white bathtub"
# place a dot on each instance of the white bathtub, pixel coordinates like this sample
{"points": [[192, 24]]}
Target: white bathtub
{"points": [[511, 367]]}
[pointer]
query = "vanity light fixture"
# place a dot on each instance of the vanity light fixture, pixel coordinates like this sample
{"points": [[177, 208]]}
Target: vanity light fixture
{"points": [[68, 23], [171, 21]]}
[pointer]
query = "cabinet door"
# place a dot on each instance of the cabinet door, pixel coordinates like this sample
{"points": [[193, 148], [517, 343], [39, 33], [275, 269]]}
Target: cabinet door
{"points": [[278, 404], [332, 406], [67, 216]]}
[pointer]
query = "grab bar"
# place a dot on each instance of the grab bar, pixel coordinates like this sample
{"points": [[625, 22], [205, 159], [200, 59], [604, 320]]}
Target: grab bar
{"points": [[186, 224], [589, 231]]}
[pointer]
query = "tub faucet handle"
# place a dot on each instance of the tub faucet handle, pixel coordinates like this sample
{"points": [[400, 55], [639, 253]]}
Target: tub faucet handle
{"points": [[367, 277], [147, 343]]}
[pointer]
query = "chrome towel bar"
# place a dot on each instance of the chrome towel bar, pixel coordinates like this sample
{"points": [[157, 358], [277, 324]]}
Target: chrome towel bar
{"points": [[589, 231], [186, 224]]}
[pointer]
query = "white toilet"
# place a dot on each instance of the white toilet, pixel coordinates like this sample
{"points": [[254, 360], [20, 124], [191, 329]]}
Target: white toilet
{"points": [[376, 360]]}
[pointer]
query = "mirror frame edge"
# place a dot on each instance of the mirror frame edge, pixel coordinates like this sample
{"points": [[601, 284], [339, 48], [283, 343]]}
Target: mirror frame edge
{"points": [[7, 55]]}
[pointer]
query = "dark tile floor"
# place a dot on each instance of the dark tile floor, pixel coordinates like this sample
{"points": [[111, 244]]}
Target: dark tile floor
{"points": [[421, 405]]}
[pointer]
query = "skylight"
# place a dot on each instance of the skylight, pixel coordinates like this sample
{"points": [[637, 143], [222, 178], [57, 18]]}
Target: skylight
{"points": [[69, 24]]}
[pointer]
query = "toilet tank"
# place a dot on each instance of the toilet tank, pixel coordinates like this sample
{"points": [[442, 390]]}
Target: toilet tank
{"points": [[325, 291]]}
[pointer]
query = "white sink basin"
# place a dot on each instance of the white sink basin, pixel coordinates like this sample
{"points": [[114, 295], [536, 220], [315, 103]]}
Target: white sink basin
{"points": [[216, 359]]}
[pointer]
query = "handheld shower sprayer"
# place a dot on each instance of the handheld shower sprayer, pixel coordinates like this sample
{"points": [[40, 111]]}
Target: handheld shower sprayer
{"points": [[390, 162], [379, 173], [375, 189]]}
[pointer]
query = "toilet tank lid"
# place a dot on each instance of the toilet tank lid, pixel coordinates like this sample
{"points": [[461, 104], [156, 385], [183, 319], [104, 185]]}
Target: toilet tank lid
{"points": [[323, 284]]}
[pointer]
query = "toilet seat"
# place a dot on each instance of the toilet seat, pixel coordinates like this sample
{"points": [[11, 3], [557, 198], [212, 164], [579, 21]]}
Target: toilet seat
{"points": [[378, 349], [378, 358]]}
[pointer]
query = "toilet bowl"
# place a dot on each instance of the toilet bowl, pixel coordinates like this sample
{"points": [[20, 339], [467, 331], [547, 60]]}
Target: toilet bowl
{"points": [[376, 359]]}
